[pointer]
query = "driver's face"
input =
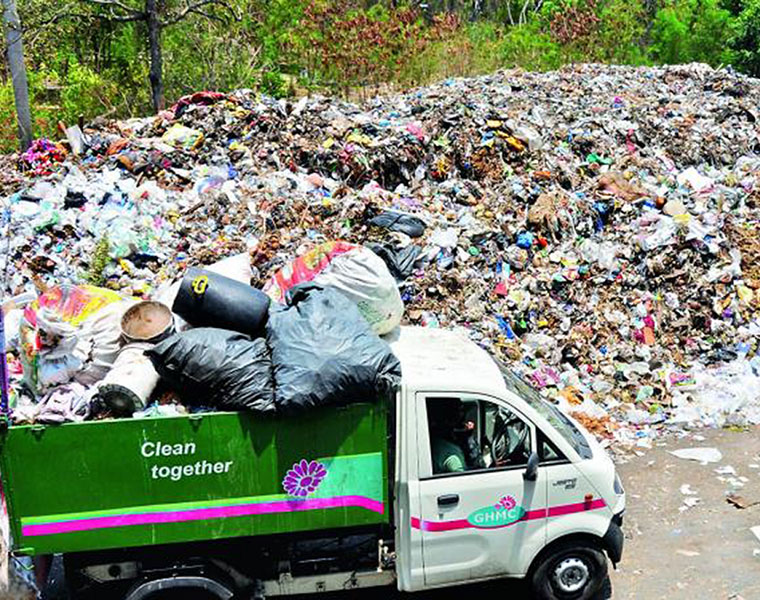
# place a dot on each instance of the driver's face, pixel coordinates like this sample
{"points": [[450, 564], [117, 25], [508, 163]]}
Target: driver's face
{"points": [[463, 422]]}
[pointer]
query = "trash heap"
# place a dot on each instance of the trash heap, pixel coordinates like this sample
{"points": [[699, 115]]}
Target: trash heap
{"points": [[598, 228]]}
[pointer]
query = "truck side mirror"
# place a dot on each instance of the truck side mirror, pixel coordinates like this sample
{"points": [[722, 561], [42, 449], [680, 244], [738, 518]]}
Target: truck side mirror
{"points": [[531, 471]]}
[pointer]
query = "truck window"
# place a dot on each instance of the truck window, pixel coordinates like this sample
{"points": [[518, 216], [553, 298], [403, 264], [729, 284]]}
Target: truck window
{"points": [[547, 452], [470, 435], [550, 412]]}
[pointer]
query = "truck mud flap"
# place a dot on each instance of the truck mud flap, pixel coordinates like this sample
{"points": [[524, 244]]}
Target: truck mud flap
{"points": [[613, 540]]}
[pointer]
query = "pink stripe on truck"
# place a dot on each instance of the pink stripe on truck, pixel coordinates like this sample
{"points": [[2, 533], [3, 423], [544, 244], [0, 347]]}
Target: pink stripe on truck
{"points": [[541, 513], [202, 514]]}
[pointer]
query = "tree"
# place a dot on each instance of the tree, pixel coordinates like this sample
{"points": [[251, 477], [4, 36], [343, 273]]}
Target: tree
{"points": [[746, 38], [15, 57], [155, 15]]}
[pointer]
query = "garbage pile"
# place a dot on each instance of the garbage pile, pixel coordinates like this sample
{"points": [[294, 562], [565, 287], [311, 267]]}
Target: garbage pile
{"points": [[595, 227]]}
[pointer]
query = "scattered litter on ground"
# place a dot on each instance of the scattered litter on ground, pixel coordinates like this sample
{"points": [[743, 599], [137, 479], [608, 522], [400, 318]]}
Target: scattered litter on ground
{"points": [[701, 455], [689, 502], [755, 531], [740, 501]]}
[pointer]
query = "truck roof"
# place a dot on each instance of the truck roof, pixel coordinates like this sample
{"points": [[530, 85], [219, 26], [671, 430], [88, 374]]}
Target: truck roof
{"points": [[436, 359]]}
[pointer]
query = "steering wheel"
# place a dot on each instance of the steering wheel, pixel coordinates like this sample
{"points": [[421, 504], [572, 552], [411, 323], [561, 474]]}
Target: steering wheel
{"points": [[511, 444]]}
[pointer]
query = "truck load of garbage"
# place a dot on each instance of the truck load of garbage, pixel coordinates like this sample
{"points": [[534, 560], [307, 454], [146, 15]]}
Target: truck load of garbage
{"points": [[88, 353], [595, 227]]}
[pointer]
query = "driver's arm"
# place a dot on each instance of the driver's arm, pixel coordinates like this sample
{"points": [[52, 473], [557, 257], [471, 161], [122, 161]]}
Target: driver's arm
{"points": [[453, 464]]}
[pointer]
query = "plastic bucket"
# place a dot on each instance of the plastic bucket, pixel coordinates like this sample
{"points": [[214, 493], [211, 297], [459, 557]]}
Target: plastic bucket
{"points": [[147, 321], [206, 299], [130, 382]]}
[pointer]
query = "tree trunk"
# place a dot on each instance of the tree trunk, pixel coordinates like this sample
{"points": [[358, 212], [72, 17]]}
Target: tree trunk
{"points": [[154, 43], [15, 56]]}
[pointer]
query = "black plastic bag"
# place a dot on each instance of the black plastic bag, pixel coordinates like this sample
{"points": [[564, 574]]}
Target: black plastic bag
{"points": [[216, 367], [325, 353], [400, 261], [401, 222]]}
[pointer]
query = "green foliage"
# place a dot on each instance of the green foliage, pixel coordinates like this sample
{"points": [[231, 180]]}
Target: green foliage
{"points": [[95, 67], [194, 57], [670, 37], [279, 34], [44, 116], [746, 38], [692, 30], [343, 46], [8, 141], [84, 92], [472, 50], [550, 8], [620, 33], [273, 83], [527, 46], [483, 47]]}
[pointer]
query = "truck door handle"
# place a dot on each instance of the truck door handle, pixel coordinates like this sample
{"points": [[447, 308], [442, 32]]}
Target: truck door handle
{"points": [[448, 500]]}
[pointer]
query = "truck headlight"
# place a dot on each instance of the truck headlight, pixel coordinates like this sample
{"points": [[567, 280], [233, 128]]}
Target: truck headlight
{"points": [[618, 486]]}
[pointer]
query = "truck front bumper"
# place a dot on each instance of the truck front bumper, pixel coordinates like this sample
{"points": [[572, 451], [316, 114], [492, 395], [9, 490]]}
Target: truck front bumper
{"points": [[613, 539]]}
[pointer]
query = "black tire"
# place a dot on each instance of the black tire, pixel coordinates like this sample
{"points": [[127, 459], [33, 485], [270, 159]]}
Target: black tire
{"points": [[183, 594], [580, 561]]}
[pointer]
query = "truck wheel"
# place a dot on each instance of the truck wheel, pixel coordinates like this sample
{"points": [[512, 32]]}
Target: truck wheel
{"points": [[183, 595], [572, 570]]}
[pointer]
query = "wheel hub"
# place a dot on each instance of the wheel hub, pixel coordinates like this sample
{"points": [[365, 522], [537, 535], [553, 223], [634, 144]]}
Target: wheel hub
{"points": [[571, 575]]}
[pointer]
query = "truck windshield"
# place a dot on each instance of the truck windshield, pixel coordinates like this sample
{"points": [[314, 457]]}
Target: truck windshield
{"points": [[550, 412]]}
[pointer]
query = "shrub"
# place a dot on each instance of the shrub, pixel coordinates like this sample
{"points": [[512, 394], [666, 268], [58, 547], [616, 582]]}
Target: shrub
{"points": [[274, 84], [44, 116], [463, 50], [691, 30], [577, 22], [84, 92], [620, 36], [8, 130], [345, 47], [745, 40], [527, 46]]}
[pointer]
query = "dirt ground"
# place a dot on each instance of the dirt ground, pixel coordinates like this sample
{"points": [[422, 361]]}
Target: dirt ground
{"points": [[703, 552]]}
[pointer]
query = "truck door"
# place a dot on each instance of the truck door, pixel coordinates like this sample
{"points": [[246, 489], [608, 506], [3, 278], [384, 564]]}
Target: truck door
{"points": [[479, 517], [568, 491]]}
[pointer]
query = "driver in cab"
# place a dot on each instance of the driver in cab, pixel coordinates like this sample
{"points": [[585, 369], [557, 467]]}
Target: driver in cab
{"points": [[455, 446], [452, 434]]}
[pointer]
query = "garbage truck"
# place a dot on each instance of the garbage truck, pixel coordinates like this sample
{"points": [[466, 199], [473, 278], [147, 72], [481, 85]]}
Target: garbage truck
{"points": [[464, 474]]}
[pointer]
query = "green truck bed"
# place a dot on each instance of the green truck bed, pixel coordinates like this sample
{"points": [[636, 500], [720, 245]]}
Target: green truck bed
{"points": [[138, 482]]}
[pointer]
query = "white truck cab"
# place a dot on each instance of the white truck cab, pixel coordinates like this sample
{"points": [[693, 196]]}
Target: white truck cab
{"points": [[536, 495], [483, 480]]}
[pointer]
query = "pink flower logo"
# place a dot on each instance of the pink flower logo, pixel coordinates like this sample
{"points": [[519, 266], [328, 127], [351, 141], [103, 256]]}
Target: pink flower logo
{"points": [[304, 478], [506, 503]]}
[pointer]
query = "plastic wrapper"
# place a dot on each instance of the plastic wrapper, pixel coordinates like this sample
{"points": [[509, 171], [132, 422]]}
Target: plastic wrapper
{"points": [[400, 261], [184, 137]]}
